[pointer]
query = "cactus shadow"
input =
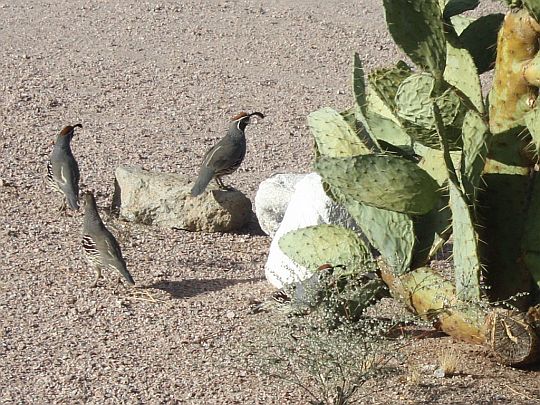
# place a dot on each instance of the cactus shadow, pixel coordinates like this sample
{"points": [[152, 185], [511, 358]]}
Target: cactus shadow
{"points": [[192, 287]]}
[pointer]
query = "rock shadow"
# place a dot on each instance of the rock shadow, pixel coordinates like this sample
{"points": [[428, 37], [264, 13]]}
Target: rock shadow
{"points": [[192, 287]]}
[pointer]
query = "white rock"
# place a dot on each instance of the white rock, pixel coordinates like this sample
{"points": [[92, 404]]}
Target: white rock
{"points": [[272, 198], [309, 206]]}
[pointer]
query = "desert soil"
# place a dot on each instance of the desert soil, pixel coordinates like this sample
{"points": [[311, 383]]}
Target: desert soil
{"points": [[154, 84]]}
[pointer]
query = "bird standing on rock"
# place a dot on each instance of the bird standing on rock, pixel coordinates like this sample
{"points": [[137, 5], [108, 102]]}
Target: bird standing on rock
{"points": [[226, 156], [62, 169], [100, 246]]}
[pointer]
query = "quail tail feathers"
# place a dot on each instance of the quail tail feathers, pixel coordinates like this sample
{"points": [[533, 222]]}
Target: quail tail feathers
{"points": [[100, 246], [205, 176]]}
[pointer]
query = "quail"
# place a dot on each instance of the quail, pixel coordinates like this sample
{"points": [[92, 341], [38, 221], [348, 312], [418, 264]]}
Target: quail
{"points": [[100, 246], [62, 169], [226, 156]]}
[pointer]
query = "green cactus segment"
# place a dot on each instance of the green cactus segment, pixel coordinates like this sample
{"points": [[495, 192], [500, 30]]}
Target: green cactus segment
{"points": [[531, 240], [480, 39], [460, 23], [461, 73], [414, 99], [383, 85], [316, 245], [507, 152], [432, 230], [502, 204], [386, 130], [417, 27], [455, 7], [433, 298], [475, 148], [391, 233], [534, 8], [386, 182], [359, 83], [532, 120], [432, 161], [377, 106], [467, 266], [334, 136], [531, 71]]}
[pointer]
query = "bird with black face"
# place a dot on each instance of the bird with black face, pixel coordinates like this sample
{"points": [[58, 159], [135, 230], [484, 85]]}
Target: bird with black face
{"points": [[62, 169], [225, 157]]}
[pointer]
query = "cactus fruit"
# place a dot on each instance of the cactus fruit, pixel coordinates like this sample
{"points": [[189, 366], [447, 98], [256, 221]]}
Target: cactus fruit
{"points": [[333, 135], [312, 246], [387, 182]]}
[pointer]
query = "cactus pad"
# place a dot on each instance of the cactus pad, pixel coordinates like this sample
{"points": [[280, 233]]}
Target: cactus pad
{"points": [[316, 245], [387, 182], [417, 27], [333, 135]]}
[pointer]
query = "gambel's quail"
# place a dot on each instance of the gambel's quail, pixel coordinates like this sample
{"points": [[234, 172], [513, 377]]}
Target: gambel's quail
{"points": [[62, 170], [225, 156], [100, 246]]}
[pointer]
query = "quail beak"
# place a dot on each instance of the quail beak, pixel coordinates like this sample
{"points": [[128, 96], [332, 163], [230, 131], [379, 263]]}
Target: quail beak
{"points": [[255, 117]]}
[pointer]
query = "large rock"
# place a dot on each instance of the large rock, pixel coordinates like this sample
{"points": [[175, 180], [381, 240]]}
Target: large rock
{"points": [[164, 199], [272, 198], [309, 206]]}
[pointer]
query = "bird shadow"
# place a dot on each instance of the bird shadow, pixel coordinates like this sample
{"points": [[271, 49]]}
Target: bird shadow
{"points": [[192, 287]]}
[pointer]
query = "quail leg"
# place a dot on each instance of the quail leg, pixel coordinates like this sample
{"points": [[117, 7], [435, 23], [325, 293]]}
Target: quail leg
{"points": [[222, 186], [96, 279]]}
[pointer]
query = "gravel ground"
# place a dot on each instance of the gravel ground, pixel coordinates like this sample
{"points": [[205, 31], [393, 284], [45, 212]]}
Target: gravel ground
{"points": [[154, 84]]}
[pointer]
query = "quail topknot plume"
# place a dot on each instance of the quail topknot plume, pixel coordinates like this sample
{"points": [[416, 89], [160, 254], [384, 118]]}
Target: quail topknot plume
{"points": [[225, 156], [100, 246], [62, 169]]}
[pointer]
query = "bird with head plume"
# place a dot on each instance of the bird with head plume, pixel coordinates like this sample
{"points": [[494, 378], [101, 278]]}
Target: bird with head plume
{"points": [[225, 157], [62, 169]]}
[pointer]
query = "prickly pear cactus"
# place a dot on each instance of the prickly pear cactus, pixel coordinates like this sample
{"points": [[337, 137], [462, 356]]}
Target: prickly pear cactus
{"points": [[333, 135], [313, 246], [420, 157], [387, 182], [417, 27]]}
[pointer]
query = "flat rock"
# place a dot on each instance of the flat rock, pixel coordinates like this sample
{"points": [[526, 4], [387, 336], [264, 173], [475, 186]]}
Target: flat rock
{"points": [[164, 199], [272, 198], [309, 206]]}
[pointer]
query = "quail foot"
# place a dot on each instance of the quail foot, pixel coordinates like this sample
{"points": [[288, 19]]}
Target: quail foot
{"points": [[226, 156], [100, 246], [62, 169]]}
